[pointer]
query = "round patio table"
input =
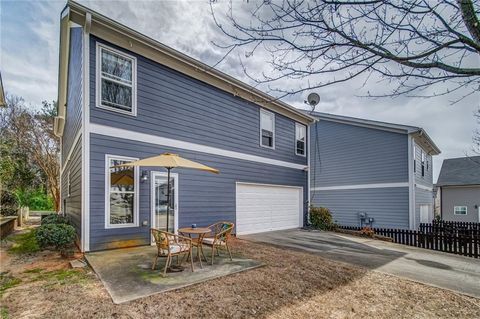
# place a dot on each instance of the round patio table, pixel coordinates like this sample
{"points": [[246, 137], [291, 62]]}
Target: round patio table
{"points": [[197, 242]]}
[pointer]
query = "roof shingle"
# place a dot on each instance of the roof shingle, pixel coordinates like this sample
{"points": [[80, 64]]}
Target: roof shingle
{"points": [[460, 171]]}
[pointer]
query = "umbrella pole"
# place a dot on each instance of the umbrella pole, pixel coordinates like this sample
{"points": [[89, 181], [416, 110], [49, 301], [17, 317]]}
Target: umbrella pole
{"points": [[168, 197]]}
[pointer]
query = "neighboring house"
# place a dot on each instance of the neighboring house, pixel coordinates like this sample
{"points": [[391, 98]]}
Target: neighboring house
{"points": [[123, 96], [371, 173], [459, 189]]}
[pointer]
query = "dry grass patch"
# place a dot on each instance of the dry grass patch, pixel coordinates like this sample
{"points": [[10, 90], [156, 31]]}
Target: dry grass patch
{"points": [[291, 285]]}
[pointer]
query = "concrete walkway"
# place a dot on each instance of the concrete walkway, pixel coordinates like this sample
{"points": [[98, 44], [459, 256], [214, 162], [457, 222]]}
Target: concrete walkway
{"points": [[458, 273]]}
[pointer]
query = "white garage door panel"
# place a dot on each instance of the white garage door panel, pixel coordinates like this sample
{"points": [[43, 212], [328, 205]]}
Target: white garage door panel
{"points": [[262, 208]]}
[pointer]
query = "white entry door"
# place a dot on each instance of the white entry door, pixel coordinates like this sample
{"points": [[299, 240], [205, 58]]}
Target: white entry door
{"points": [[262, 208], [425, 214], [158, 204]]}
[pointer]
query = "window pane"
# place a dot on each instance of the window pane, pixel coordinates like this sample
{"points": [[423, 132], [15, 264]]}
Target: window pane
{"points": [[116, 95], [121, 208], [267, 138], [122, 179], [300, 132], [301, 147], [116, 66], [266, 121]]}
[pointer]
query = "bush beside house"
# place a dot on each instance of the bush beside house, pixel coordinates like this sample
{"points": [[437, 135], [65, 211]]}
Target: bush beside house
{"points": [[321, 218]]}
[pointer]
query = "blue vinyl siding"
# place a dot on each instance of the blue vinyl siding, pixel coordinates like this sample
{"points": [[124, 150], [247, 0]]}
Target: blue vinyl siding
{"points": [[173, 105], [427, 179], [342, 155], [73, 117], [204, 198], [388, 206], [352, 155], [72, 205]]}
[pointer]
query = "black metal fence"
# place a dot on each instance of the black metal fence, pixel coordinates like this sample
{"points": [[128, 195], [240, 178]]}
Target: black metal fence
{"points": [[447, 239]]}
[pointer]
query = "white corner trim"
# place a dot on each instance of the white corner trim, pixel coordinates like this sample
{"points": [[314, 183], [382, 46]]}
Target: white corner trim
{"points": [[360, 186], [85, 221], [163, 141], [411, 186], [70, 152], [307, 145], [136, 192], [424, 187]]}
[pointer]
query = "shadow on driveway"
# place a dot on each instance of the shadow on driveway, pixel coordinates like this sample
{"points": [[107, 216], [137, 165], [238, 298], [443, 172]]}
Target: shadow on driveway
{"points": [[458, 273]]}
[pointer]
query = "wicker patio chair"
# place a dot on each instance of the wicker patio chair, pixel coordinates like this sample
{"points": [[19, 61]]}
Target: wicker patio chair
{"points": [[170, 245], [218, 237]]}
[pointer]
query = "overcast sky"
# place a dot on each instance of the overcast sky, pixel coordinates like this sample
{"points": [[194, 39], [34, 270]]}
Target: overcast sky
{"points": [[29, 65]]}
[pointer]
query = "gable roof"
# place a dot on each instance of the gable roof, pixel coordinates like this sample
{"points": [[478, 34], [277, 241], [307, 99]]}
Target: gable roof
{"points": [[460, 171], [125, 37], [418, 133]]}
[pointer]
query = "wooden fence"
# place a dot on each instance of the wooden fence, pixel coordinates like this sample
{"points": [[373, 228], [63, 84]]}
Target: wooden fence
{"points": [[463, 228], [450, 242]]}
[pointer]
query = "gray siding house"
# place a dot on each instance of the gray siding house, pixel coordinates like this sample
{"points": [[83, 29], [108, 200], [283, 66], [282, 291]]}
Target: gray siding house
{"points": [[371, 173], [124, 96], [459, 189]]}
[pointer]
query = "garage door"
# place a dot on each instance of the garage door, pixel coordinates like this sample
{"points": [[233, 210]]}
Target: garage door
{"points": [[262, 208]]}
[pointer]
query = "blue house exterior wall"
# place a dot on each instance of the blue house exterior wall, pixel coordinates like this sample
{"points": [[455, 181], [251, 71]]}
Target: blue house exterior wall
{"points": [[73, 117], [344, 156], [174, 106], [204, 198], [71, 204]]}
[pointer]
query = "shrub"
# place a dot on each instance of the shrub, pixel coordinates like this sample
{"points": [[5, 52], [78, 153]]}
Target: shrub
{"points": [[58, 236], [367, 231], [321, 218], [55, 219]]}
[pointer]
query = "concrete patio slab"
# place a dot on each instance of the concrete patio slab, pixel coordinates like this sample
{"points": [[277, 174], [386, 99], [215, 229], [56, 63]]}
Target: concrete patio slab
{"points": [[127, 274]]}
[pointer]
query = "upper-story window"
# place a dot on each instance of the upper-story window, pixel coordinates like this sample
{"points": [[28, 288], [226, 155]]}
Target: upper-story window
{"points": [[267, 129], [300, 136], [423, 157], [116, 80], [414, 158]]}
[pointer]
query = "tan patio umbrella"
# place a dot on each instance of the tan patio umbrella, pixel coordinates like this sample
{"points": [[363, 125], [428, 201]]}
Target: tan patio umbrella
{"points": [[169, 161]]}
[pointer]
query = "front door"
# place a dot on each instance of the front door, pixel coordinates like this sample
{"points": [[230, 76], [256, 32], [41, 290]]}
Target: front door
{"points": [[159, 201]]}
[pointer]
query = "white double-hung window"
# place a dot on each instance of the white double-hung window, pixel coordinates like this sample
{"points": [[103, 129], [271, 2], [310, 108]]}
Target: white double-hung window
{"points": [[116, 80], [300, 136], [460, 210], [267, 129], [121, 192]]}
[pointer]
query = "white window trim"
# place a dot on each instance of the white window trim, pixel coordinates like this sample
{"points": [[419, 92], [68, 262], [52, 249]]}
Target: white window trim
{"points": [[455, 210], [136, 185], [69, 185], [273, 133], [98, 75], [297, 125]]}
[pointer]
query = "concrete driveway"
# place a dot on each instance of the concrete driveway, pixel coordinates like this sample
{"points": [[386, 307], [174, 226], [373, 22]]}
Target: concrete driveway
{"points": [[458, 273]]}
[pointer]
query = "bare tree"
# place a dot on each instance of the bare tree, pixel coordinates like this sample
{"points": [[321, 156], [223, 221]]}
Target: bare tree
{"points": [[32, 133], [418, 45]]}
